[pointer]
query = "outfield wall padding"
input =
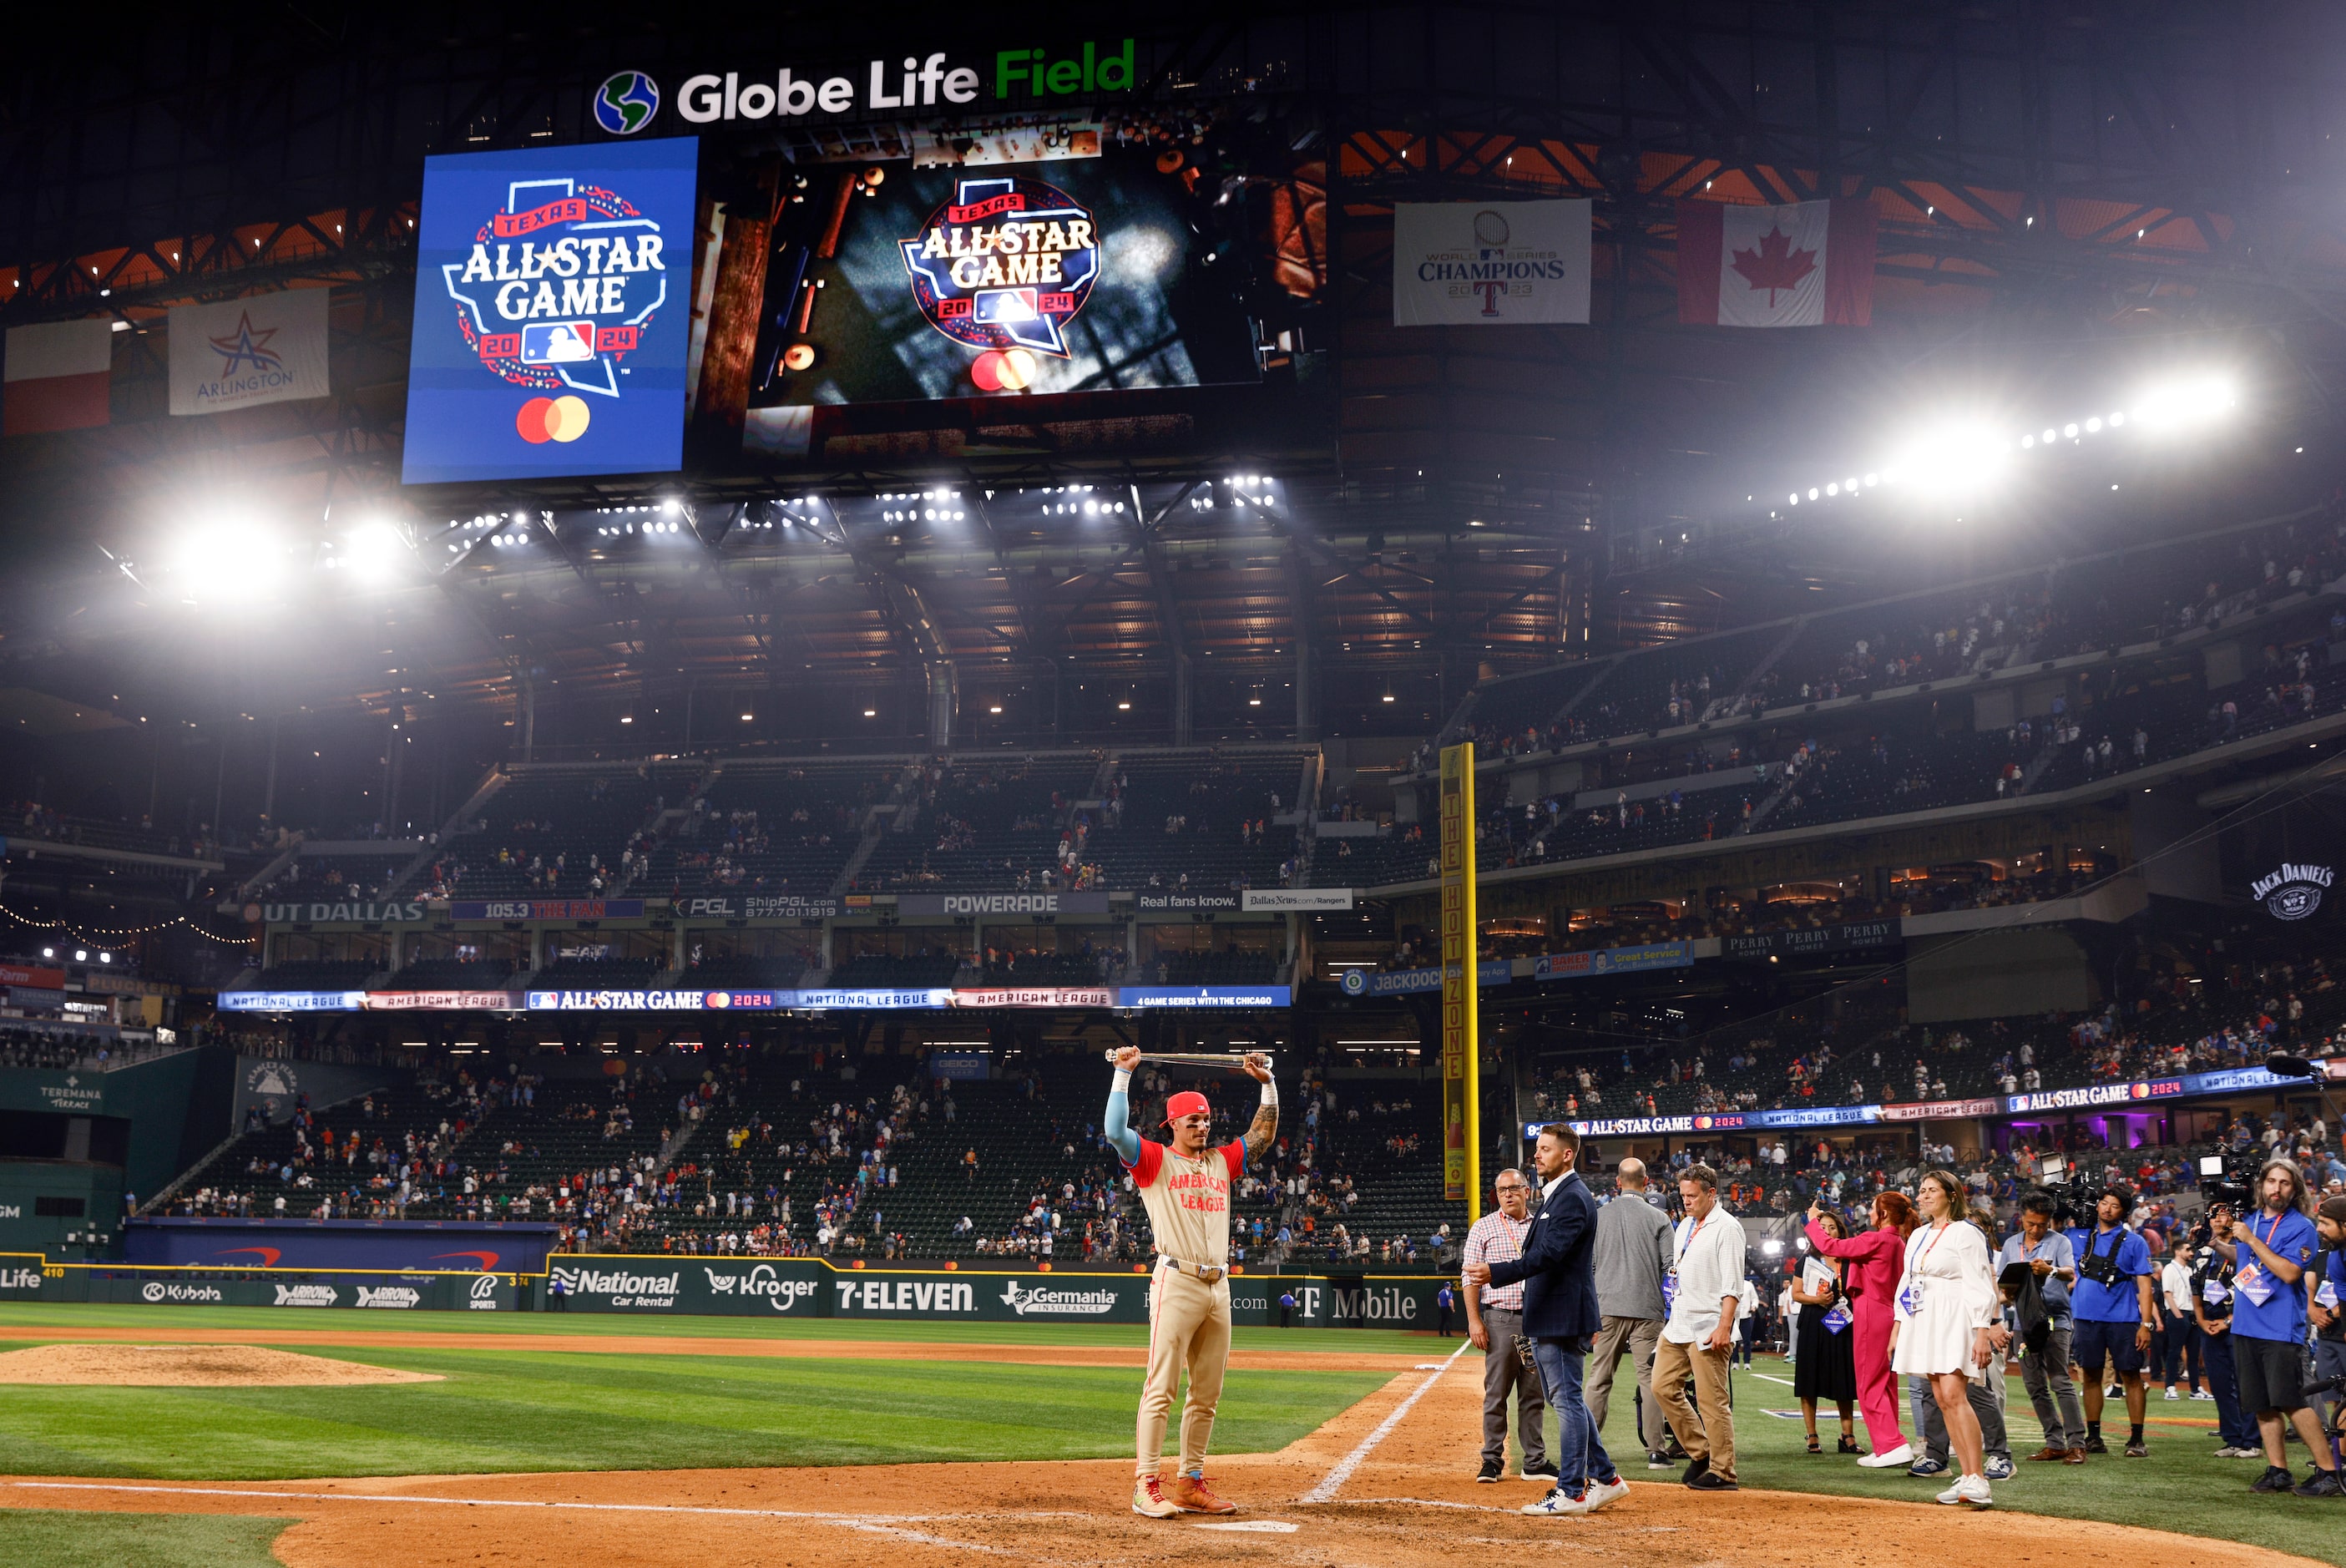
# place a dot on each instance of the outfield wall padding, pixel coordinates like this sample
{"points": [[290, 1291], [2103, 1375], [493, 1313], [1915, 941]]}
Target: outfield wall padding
{"points": [[684, 1286]]}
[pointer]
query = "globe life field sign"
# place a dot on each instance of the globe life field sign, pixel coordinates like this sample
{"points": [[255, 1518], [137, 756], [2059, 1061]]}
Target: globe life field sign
{"points": [[552, 298]]}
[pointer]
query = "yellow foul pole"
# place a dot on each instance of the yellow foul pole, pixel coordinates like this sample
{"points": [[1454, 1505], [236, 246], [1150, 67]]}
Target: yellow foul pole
{"points": [[1461, 1131]]}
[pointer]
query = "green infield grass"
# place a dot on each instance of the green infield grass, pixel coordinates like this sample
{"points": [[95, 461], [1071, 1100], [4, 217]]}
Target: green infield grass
{"points": [[541, 1410], [74, 1539], [2181, 1487], [37, 1320]]}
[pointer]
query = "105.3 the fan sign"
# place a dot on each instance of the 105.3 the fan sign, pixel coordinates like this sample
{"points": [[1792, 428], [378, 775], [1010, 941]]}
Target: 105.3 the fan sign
{"points": [[550, 318]]}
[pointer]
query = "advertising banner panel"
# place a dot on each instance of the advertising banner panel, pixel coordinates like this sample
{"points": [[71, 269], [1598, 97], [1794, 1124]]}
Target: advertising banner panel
{"points": [[552, 310]]}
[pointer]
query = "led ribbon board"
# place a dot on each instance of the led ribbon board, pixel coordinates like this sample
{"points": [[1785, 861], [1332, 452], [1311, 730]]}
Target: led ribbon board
{"points": [[551, 312]]}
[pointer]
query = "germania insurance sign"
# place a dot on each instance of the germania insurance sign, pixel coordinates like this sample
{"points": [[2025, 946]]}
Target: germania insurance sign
{"points": [[551, 312]]}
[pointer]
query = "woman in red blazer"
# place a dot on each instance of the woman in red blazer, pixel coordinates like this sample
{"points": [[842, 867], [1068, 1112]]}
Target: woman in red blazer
{"points": [[1873, 1259]]}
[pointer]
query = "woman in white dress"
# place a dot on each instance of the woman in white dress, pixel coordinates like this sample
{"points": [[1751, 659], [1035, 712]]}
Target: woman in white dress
{"points": [[1946, 1303]]}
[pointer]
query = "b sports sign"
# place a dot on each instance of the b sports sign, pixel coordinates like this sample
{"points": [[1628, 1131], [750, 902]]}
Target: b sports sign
{"points": [[551, 316]]}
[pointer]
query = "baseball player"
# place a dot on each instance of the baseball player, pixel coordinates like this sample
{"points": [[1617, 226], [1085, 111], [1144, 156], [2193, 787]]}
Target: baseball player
{"points": [[1187, 1189]]}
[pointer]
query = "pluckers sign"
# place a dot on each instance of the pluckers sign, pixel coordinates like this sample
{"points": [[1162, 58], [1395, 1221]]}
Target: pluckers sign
{"points": [[550, 312]]}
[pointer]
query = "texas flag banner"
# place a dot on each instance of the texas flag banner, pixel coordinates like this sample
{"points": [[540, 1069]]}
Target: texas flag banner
{"points": [[55, 376], [1808, 264], [264, 347]]}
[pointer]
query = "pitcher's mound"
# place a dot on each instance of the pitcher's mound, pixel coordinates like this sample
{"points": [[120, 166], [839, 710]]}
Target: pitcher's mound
{"points": [[190, 1367]]}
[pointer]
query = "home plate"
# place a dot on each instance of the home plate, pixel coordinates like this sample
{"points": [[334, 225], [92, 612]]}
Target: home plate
{"points": [[1257, 1526]]}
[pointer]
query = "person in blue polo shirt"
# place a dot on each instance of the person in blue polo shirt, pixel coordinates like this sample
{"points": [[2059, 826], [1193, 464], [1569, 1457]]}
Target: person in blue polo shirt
{"points": [[2114, 1314], [2273, 1249]]}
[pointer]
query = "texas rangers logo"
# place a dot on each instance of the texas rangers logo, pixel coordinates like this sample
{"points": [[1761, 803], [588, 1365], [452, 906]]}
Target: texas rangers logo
{"points": [[1004, 265], [560, 287]]}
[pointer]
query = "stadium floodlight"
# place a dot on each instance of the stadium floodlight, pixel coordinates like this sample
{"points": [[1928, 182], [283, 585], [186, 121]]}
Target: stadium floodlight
{"points": [[2179, 404], [1952, 458], [1771, 1248], [223, 557], [374, 551]]}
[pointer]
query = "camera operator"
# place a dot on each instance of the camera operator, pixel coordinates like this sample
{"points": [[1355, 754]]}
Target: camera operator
{"points": [[2046, 1373], [2115, 1315], [2211, 1289], [2271, 1252]]}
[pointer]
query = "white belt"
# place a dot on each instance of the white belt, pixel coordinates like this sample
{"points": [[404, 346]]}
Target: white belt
{"points": [[1210, 1273]]}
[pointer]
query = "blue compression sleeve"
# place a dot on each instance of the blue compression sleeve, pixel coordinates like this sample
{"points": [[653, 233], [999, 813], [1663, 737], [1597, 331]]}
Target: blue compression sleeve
{"points": [[1116, 1122]]}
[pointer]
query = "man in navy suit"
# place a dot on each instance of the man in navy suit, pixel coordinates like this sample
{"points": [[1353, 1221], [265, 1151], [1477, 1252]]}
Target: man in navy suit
{"points": [[1558, 1268]]}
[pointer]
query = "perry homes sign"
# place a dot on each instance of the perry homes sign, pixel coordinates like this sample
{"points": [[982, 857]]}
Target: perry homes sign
{"points": [[1853, 937]]}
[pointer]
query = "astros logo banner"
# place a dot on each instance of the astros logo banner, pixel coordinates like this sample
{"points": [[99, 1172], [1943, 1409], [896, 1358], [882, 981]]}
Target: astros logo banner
{"points": [[550, 318]]}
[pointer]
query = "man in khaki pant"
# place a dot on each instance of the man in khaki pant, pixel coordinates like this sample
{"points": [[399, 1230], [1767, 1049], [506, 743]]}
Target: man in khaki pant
{"points": [[1634, 1251], [1185, 1186], [1700, 1333]]}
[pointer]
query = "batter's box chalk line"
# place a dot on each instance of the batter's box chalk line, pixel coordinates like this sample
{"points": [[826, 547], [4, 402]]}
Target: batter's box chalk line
{"points": [[1255, 1526], [1333, 1482]]}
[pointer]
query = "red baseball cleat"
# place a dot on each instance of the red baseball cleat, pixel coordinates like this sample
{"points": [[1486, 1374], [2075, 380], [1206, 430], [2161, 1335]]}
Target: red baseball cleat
{"points": [[1195, 1494]]}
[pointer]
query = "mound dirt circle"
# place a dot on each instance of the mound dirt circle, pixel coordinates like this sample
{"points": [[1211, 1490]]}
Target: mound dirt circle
{"points": [[191, 1367]]}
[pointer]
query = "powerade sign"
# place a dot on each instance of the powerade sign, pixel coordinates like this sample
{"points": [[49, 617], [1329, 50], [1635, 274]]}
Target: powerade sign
{"points": [[552, 312], [1052, 903], [1023, 76]]}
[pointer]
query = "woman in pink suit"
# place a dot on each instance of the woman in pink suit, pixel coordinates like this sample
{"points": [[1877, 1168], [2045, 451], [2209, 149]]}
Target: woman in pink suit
{"points": [[1873, 1261]]}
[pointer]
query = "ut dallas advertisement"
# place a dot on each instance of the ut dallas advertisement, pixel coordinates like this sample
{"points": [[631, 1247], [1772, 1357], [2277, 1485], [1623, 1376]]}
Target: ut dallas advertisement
{"points": [[552, 312]]}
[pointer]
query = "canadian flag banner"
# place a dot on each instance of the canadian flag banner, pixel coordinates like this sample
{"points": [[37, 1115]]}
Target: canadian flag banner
{"points": [[1808, 264], [56, 376]]}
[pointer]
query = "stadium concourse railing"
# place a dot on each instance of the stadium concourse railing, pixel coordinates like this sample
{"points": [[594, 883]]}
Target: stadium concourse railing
{"points": [[678, 1285]]}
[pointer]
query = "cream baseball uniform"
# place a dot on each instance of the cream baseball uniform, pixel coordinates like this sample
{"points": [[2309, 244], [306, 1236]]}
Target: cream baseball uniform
{"points": [[1189, 1203]]}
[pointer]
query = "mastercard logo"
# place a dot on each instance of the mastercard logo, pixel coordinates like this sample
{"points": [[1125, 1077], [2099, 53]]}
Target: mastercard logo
{"points": [[1004, 370], [545, 419]]}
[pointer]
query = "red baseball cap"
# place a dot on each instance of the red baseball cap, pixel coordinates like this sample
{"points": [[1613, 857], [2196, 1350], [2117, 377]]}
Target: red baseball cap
{"points": [[1189, 1102]]}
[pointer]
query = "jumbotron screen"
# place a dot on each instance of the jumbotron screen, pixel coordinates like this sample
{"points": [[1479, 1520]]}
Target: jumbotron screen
{"points": [[1044, 291]]}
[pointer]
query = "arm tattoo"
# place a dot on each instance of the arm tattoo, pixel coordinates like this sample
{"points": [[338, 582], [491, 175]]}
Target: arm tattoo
{"points": [[1263, 1130]]}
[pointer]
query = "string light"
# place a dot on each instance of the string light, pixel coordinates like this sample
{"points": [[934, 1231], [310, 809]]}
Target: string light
{"points": [[104, 937]]}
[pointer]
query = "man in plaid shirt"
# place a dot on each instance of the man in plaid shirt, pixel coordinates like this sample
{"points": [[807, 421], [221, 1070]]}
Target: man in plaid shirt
{"points": [[1494, 1322]]}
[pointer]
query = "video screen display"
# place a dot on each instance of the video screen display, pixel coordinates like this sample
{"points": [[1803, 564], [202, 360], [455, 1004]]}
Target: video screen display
{"points": [[1026, 292], [552, 312]]}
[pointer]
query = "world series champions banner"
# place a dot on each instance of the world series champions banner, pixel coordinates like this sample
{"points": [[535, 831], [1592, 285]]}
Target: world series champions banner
{"points": [[1460, 1180]]}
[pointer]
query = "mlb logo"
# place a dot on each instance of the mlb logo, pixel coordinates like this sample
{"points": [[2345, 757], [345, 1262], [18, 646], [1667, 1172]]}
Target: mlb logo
{"points": [[557, 342], [1006, 305]]}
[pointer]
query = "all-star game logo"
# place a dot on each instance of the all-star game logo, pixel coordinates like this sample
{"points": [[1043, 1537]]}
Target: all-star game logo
{"points": [[2293, 891], [560, 288], [1003, 268]]}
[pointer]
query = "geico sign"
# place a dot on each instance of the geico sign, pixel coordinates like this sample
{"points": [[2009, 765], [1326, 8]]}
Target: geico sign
{"points": [[761, 1281], [906, 1296]]}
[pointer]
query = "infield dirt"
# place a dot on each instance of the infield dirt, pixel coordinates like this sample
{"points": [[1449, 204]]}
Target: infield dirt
{"points": [[213, 1365], [1412, 1500]]}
